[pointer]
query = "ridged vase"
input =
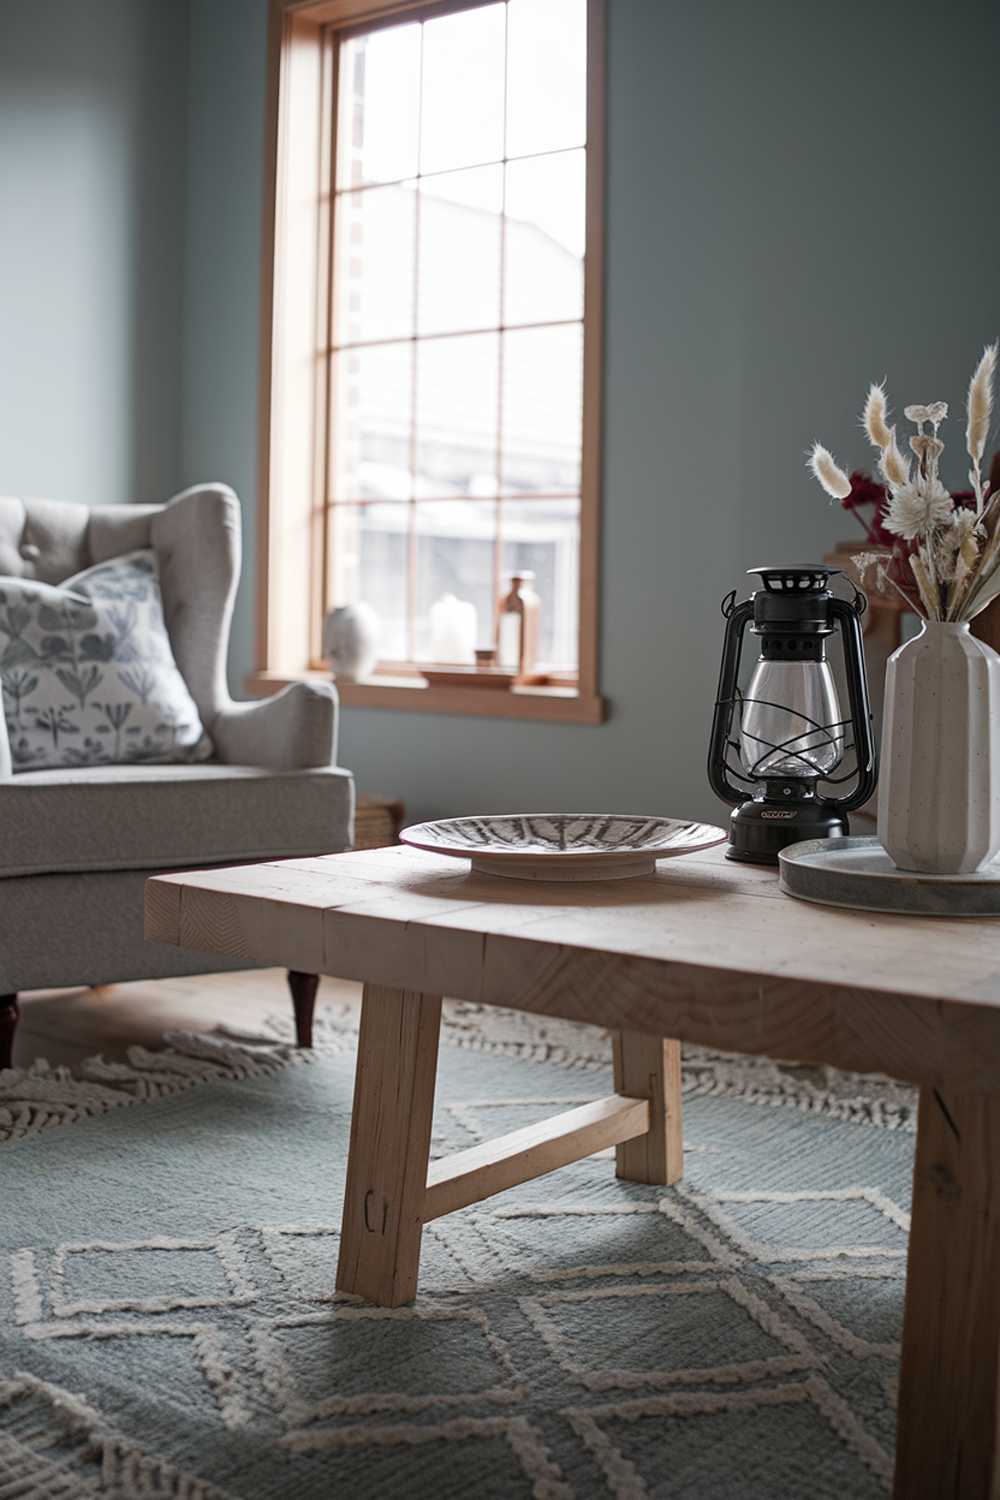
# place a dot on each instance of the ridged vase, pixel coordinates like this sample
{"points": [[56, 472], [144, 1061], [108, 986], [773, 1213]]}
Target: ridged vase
{"points": [[939, 782]]}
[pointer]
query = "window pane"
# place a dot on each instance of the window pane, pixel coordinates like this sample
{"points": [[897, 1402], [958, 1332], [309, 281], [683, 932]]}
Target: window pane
{"points": [[378, 105], [457, 403], [463, 85], [546, 75], [542, 410], [455, 545], [460, 250], [544, 536], [369, 552], [373, 273], [371, 426], [546, 202]]}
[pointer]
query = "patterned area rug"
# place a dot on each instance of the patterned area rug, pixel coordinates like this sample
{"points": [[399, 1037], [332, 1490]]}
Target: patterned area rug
{"points": [[168, 1326]]}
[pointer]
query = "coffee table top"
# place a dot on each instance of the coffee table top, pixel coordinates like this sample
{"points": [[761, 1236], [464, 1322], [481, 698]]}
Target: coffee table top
{"points": [[705, 950]]}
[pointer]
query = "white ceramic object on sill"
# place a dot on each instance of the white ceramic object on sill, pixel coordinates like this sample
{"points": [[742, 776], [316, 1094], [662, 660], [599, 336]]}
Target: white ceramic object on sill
{"points": [[453, 631], [939, 785], [350, 641]]}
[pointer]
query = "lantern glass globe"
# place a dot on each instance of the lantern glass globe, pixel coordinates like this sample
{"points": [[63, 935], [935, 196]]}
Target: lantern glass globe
{"points": [[791, 721]]}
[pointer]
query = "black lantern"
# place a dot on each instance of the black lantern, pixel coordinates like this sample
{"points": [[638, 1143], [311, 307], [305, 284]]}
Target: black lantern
{"points": [[787, 729]]}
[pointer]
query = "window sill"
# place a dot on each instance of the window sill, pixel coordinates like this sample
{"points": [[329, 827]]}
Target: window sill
{"points": [[562, 705]]}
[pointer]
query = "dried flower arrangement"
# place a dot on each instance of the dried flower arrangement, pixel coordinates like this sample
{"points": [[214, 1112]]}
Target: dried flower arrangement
{"points": [[945, 557]]}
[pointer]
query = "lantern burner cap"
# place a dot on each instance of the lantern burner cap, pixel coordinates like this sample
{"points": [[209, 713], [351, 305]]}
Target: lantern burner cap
{"points": [[796, 578]]}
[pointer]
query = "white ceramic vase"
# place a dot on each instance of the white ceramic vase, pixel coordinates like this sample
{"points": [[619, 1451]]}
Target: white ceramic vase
{"points": [[350, 641], [939, 782]]}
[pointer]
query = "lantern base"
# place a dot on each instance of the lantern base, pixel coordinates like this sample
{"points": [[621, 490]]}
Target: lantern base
{"points": [[759, 830]]}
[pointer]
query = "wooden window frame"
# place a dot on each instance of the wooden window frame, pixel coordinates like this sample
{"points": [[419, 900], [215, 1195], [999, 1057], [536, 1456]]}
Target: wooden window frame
{"points": [[293, 387]]}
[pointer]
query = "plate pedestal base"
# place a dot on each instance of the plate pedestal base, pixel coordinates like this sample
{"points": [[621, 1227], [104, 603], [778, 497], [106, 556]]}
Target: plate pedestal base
{"points": [[544, 868]]}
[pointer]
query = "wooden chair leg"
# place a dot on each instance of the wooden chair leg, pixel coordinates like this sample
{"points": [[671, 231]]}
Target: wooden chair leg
{"points": [[9, 1016], [303, 988], [948, 1435], [649, 1067], [390, 1145]]}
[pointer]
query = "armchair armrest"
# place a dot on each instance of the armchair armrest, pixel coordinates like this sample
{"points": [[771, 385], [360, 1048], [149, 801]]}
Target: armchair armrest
{"points": [[296, 730], [6, 767]]}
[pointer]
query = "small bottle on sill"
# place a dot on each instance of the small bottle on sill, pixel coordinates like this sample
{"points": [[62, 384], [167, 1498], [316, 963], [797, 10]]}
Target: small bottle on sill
{"points": [[517, 629]]}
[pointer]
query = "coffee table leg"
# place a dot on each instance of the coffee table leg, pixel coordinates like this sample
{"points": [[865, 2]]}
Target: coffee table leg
{"points": [[649, 1067], [949, 1392], [390, 1145]]}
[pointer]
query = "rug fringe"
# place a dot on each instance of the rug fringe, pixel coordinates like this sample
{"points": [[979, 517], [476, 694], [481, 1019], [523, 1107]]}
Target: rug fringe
{"points": [[40, 1097]]}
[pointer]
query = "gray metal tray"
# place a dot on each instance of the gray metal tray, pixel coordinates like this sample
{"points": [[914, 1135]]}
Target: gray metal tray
{"points": [[857, 872]]}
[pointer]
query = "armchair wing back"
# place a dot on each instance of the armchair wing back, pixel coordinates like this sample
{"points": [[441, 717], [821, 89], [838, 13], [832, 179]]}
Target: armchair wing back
{"points": [[196, 538]]}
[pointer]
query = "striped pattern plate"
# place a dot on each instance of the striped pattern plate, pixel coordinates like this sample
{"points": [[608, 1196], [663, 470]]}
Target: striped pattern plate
{"points": [[563, 846]]}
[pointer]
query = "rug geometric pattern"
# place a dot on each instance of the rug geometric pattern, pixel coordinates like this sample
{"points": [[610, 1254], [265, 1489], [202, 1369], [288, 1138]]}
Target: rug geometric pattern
{"points": [[734, 1336]]}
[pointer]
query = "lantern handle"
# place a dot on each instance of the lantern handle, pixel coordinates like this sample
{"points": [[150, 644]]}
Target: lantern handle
{"points": [[859, 603], [737, 618], [847, 614]]}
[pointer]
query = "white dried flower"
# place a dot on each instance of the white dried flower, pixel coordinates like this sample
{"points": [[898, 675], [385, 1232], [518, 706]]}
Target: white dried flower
{"points": [[915, 509], [980, 404], [875, 417], [892, 466], [984, 585], [965, 561], [928, 594], [964, 523], [957, 547], [864, 562], [826, 472], [934, 412], [928, 449], [963, 568]]}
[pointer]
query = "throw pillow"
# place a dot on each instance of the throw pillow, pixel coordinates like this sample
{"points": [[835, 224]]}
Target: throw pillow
{"points": [[87, 672]]}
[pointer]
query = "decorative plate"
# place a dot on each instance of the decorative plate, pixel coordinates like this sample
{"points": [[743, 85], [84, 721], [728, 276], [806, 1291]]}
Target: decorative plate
{"points": [[563, 846], [857, 872]]}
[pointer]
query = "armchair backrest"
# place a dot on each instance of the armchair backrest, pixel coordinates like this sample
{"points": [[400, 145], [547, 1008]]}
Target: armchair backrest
{"points": [[196, 538]]}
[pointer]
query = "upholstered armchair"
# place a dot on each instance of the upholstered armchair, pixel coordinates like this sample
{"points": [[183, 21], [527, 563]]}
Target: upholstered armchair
{"points": [[78, 844]]}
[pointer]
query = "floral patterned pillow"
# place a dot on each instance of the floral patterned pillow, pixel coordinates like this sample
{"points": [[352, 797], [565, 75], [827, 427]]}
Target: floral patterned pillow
{"points": [[87, 672]]}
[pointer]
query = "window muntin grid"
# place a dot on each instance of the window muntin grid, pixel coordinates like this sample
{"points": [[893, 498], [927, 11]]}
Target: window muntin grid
{"points": [[456, 396]]}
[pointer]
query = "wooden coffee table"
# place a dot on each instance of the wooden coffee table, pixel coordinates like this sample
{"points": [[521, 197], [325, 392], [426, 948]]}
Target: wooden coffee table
{"points": [[703, 951]]}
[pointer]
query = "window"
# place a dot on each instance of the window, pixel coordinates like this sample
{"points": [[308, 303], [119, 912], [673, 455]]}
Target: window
{"points": [[434, 336]]}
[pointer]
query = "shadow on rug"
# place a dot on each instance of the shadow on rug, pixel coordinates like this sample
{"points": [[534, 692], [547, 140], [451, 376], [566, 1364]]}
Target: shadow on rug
{"points": [[168, 1325]]}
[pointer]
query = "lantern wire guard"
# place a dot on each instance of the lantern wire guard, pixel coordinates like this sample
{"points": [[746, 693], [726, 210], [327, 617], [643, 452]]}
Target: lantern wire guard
{"points": [[789, 744]]}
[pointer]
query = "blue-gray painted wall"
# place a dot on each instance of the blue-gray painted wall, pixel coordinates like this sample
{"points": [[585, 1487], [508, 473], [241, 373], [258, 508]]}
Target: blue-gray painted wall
{"points": [[92, 210], [227, 83], [800, 198]]}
